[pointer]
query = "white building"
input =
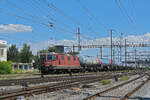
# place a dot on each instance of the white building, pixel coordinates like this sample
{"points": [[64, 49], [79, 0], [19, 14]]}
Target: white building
{"points": [[3, 50]]}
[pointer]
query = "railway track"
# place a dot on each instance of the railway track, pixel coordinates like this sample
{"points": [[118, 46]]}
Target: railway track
{"points": [[127, 96], [38, 80], [29, 91], [99, 95]]}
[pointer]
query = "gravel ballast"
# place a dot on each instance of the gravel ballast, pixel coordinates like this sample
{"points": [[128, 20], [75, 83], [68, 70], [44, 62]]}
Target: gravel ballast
{"points": [[77, 93]]}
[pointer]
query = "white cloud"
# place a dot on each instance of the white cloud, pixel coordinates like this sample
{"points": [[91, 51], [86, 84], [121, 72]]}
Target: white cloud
{"points": [[14, 28]]}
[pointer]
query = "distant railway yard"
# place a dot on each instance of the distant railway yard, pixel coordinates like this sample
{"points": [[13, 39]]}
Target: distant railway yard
{"points": [[112, 85]]}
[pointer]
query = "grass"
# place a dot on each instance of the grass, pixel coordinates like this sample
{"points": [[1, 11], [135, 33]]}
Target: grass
{"points": [[17, 78], [19, 71], [16, 73], [124, 78], [105, 82]]}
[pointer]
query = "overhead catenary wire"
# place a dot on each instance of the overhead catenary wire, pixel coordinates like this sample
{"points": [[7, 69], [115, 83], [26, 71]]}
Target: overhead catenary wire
{"points": [[25, 12], [20, 9], [51, 16], [132, 9], [58, 21], [131, 19], [91, 15], [61, 12], [34, 21], [88, 13], [124, 12], [48, 15], [36, 6], [31, 19]]}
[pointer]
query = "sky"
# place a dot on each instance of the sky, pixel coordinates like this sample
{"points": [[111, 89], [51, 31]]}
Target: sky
{"points": [[37, 22]]}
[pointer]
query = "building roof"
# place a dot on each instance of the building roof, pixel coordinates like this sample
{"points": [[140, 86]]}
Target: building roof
{"points": [[3, 45]]}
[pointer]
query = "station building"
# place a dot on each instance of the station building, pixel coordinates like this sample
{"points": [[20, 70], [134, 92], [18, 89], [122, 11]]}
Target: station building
{"points": [[22, 66]]}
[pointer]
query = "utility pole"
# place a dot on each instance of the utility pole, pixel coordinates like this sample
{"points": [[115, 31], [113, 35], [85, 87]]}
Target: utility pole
{"points": [[78, 37], [113, 56], [125, 60], [111, 45], [135, 58], [128, 55], [101, 52], [121, 46], [97, 52], [118, 55], [73, 48]]}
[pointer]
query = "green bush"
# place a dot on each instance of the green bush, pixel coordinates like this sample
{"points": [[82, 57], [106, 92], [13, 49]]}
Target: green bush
{"points": [[124, 78], [5, 67], [105, 82]]}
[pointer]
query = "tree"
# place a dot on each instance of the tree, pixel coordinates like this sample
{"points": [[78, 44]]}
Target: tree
{"points": [[36, 63], [5, 67], [13, 53], [53, 49], [26, 54], [74, 53], [43, 51]]}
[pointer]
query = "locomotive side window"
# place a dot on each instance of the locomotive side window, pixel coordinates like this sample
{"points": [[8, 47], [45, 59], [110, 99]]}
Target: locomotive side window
{"points": [[74, 58], [68, 57], [56, 57], [62, 57]]}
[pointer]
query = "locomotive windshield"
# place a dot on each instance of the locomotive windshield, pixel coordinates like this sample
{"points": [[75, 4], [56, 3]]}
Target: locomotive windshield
{"points": [[46, 57], [51, 57], [42, 57]]}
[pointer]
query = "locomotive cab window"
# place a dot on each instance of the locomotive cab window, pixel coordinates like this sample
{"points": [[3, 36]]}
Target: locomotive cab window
{"points": [[62, 57], [49, 57], [42, 57]]}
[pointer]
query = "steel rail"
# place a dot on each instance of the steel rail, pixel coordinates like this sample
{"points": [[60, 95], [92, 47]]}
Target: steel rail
{"points": [[134, 90], [48, 88], [38, 80], [51, 87], [112, 88]]}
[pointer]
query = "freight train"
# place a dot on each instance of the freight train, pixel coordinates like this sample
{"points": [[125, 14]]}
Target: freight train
{"points": [[66, 63]]}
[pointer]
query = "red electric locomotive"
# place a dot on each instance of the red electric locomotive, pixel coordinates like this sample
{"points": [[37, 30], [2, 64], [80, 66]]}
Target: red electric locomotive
{"points": [[59, 63]]}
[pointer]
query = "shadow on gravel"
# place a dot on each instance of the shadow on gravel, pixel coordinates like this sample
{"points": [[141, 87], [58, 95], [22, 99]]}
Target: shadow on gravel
{"points": [[131, 98], [110, 96], [141, 98]]}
